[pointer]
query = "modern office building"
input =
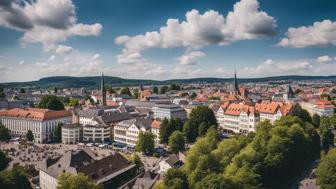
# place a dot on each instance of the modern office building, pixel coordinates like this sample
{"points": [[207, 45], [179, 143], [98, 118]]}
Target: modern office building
{"points": [[71, 133], [169, 111]]}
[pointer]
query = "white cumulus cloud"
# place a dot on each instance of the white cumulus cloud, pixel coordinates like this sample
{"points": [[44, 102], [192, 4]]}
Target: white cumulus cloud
{"points": [[63, 49], [319, 34], [245, 22], [324, 59], [190, 58], [44, 21]]}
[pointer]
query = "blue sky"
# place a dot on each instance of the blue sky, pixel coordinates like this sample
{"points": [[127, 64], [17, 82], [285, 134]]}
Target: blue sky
{"points": [[164, 39]]}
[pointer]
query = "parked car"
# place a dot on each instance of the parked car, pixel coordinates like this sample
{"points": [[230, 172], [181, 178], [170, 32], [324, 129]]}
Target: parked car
{"points": [[89, 144]]}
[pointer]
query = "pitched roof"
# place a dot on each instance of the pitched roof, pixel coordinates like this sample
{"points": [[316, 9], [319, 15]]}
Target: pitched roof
{"points": [[83, 161], [156, 124], [35, 114]]}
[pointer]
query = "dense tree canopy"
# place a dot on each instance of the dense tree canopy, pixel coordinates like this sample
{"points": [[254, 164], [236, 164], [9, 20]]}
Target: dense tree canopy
{"points": [[325, 96], [155, 90], [3, 161], [16, 178], [51, 102], [167, 127], [326, 171], [164, 89], [69, 181], [327, 137], [316, 120], [136, 93], [145, 142], [193, 95], [269, 158], [176, 142], [73, 102], [301, 113], [175, 179], [2, 93], [125, 91], [200, 120], [4, 133], [174, 87]]}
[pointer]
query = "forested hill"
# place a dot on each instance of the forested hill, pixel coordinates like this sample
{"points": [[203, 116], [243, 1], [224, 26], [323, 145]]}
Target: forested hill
{"points": [[93, 82]]}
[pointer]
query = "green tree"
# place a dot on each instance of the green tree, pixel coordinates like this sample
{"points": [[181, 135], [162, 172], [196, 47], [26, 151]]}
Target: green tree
{"points": [[3, 161], [174, 87], [73, 102], [155, 90], [325, 96], [193, 95], [167, 127], [316, 120], [164, 89], [199, 115], [301, 113], [333, 121], [30, 135], [58, 133], [213, 98], [125, 91], [2, 93], [176, 142], [110, 89], [4, 133], [51, 102], [137, 161], [69, 181], [163, 135], [327, 137], [16, 178], [175, 179], [145, 142], [326, 171], [136, 93]]}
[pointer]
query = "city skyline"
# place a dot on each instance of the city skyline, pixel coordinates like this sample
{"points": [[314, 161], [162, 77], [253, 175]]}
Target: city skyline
{"points": [[166, 39]]}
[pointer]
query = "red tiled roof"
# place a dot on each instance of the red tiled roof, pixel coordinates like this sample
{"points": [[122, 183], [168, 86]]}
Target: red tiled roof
{"points": [[35, 114], [156, 124], [235, 109]]}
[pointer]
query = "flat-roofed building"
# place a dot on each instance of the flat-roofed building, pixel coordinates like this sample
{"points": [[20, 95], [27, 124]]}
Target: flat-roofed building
{"points": [[71, 133], [169, 111], [42, 122]]}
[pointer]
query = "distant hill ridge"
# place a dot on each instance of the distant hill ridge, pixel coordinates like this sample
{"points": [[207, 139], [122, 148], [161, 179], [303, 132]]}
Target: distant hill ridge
{"points": [[93, 81]]}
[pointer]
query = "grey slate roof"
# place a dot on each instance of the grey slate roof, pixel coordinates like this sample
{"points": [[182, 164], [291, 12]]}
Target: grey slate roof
{"points": [[83, 161], [90, 113]]}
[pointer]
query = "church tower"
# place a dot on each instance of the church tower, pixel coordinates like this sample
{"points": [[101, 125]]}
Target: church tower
{"points": [[102, 90], [235, 85]]}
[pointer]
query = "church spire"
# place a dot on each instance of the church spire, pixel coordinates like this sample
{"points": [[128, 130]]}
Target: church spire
{"points": [[102, 90], [235, 84]]}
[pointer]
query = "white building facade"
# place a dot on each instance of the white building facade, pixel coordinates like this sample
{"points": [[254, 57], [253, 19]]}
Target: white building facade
{"points": [[41, 122], [169, 111], [70, 133], [96, 133]]}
